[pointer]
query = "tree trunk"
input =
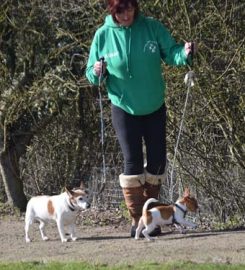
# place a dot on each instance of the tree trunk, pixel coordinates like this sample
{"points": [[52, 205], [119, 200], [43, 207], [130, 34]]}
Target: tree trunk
{"points": [[9, 167]]}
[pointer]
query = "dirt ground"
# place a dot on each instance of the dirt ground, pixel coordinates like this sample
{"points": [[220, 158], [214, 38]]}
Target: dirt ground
{"points": [[109, 243]]}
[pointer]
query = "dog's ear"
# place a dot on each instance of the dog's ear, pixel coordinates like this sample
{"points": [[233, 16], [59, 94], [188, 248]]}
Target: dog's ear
{"points": [[82, 185], [69, 192], [187, 192]]}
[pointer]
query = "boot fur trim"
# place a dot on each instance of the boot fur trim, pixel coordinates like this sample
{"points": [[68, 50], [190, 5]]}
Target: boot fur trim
{"points": [[130, 181], [155, 180]]}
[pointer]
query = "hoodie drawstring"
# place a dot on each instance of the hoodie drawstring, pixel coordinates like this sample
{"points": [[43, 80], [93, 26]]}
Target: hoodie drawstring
{"points": [[129, 53]]}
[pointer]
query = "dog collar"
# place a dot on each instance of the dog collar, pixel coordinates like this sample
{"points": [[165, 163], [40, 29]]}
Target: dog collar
{"points": [[180, 208], [71, 207]]}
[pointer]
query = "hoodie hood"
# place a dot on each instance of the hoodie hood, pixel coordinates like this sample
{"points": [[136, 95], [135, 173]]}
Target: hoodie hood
{"points": [[110, 22]]}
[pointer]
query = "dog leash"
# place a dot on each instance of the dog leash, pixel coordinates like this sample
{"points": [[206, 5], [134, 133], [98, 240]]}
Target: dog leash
{"points": [[189, 81], [103, 181]]}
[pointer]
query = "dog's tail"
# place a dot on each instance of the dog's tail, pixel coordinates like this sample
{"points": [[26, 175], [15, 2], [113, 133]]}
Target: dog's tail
{"points": [[149, 201]]}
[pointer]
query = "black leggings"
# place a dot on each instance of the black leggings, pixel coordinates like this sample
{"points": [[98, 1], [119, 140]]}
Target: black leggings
{"points": [[131, 130]]}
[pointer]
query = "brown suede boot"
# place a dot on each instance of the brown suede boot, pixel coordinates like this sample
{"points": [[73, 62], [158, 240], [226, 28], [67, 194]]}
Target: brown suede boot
{"points": [[133, 191], [153, 185]]}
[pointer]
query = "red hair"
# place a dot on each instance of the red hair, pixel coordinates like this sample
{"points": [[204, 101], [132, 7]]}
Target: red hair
{"points": [[117, 6]]}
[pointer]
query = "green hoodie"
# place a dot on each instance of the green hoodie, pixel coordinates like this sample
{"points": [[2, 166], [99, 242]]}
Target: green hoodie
{"points": [[133, 55]]}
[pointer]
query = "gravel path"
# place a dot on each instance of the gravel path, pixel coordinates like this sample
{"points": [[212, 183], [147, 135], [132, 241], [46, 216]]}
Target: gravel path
{"points": [[111, 245]]}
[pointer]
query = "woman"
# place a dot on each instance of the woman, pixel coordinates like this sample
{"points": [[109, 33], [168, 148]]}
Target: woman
{"points": [[134, 47]]}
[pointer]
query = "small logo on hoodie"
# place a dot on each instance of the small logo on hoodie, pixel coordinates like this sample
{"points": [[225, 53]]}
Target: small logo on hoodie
{"points": [[111, 54], [150, 46]]}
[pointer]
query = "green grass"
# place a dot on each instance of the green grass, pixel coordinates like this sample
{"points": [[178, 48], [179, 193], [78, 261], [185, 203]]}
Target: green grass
{"points": [[148, 266]]}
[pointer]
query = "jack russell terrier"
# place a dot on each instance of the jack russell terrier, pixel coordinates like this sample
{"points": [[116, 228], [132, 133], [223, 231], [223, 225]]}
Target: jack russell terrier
{"points": [[62, 208], [163, 214]]}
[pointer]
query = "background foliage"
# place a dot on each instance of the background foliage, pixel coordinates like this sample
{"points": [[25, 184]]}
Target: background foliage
{"points": [[48, 108]]}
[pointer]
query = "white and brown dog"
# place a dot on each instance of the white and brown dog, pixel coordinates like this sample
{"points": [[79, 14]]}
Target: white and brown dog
{"points": [[61, 208], [163, 214]]}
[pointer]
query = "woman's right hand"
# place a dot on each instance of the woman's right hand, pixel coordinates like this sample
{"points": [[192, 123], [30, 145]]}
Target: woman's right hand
{"points": [[99, 68]]}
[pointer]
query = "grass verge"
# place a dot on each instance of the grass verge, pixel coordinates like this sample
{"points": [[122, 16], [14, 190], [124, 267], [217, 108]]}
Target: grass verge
{"points": [[86, 266]]}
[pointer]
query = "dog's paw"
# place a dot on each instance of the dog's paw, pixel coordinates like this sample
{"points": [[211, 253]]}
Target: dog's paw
{"points": [[74, 238], [64, 240], [150, 239], [183, 231], [45, 238], [194, 226], [28, 240]]}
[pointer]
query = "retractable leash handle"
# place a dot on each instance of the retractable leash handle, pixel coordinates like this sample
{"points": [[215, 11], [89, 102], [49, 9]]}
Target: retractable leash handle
{"points": [[102, 61], [192, 52]]}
